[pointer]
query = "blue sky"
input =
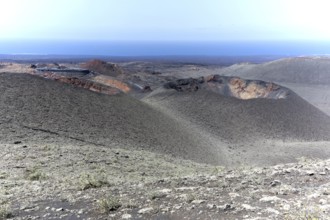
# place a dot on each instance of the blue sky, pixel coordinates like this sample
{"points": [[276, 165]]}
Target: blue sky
{"points": [[166, 20]]}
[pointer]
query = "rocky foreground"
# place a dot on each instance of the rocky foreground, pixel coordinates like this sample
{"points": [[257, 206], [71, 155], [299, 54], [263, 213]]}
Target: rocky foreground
{"points": [[91, 182]]}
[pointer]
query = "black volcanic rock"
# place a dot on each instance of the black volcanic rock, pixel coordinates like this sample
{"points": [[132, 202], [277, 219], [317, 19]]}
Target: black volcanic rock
{"points": [[189, 84]]}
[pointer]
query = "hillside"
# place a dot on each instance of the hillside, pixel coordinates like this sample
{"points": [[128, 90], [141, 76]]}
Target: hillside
{"points": [[236, 113], [202, 126], [254, 131], [40, 110], [306, 70], [86, 147], [102, 67]]}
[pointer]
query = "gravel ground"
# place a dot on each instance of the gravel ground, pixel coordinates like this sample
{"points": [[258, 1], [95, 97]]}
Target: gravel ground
{"points": [[92, 182]]}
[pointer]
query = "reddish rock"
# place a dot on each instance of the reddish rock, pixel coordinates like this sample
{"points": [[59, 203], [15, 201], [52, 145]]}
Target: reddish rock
{"points": [[103, 68]]}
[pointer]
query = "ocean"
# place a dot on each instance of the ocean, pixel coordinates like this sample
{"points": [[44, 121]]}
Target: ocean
{"points": [[104, 48]]}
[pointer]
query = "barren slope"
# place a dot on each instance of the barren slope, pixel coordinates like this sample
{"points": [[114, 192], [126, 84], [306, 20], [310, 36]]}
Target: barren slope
{"points": [[39, 110], [254, 131], [311, 70], [309, 77], [235, 119]]}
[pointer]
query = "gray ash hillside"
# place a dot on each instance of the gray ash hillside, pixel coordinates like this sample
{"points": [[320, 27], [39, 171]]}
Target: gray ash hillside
{"points": [[39, 110], [201, 125], [238, 110], [311, 70]]}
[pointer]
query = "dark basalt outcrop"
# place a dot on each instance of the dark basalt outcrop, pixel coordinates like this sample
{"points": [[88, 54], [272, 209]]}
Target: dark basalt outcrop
{"points": [[231, 86], [189, 84]]}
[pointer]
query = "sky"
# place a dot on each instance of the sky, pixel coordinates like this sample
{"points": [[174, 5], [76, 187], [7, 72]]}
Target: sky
{"points": [[165, 20]]}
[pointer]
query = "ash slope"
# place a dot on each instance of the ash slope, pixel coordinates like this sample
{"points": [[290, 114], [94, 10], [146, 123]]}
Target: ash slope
{"points": [[39, 110], [310, 70], [236, 120], [202, 126], [255, 131]]}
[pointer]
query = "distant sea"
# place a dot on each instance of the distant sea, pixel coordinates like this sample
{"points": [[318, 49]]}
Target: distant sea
{"points": [[252, 48]]}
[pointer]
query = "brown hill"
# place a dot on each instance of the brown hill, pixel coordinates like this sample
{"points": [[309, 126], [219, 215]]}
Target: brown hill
{"points": [[103, 68]]}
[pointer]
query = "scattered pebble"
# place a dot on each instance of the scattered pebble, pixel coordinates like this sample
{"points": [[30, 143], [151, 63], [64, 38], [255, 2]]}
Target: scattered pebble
{"points": [[198, 202], [126, 216], [145, 210], [269, 199], [248, 207]]}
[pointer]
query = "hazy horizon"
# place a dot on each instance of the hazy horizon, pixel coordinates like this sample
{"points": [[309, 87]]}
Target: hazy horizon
{"points": [[208, 27], [164, 48]]}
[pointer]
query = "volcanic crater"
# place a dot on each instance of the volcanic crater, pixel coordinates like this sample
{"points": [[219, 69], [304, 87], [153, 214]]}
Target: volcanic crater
{"points": [[231, 86]]}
